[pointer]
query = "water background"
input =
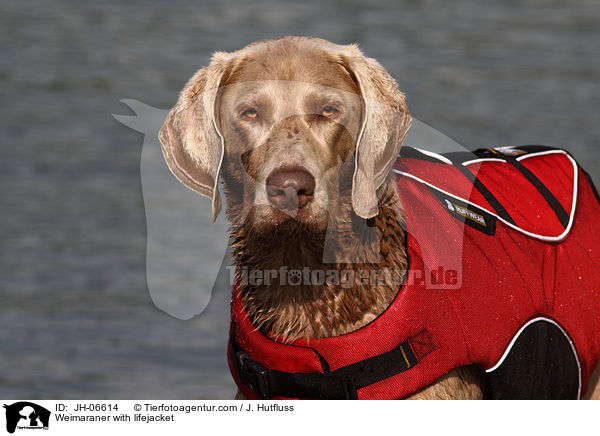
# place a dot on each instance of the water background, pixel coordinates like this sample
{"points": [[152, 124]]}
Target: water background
{"points": [[76, 319]]}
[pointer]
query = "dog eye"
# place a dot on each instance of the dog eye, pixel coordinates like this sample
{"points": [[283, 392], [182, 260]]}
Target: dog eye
{"points": [[329, 111], [250, 113]]}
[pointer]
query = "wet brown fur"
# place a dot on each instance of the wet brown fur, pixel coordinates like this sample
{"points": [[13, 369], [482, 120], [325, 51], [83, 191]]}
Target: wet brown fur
{"points": [[330, 309]]}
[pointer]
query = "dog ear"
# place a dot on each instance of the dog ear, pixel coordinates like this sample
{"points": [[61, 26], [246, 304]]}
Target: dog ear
{"points": [[192, 144], [384, 125]]}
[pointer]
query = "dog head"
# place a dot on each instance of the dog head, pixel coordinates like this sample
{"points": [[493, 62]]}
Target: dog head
{"points": [[291, 123]]}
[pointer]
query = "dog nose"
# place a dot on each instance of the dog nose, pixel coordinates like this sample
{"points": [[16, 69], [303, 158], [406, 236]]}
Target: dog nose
{"points": [[290, 188]]}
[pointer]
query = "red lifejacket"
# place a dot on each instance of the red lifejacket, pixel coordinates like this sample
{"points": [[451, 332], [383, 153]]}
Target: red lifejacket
{"points": [[503, 248]]}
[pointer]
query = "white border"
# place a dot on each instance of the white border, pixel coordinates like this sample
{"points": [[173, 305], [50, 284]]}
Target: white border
{"points": [[519, 158], [483, 159], [542, 153], [434, 155], [525, 232], [516, 336]]}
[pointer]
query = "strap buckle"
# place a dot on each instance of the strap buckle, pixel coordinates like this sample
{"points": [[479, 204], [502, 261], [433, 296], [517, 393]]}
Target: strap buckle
{"points": [[253, 374]]}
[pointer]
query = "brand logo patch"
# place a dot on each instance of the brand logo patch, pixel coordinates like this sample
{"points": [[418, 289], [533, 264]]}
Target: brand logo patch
{"points": [[467, 213]]}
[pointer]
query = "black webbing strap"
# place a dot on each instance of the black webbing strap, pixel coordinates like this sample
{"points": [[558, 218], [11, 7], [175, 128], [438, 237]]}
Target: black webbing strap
{"points": [[340, 384], [483, 190], [559, 211], [552, 201]]}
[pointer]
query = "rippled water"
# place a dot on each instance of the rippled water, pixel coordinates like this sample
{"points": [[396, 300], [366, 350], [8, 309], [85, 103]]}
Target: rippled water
{"points": [[76, 319]]}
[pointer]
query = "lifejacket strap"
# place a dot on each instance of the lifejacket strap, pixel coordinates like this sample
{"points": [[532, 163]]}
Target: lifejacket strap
{"points": [[341, 384], [484, 191], [552, 201]]}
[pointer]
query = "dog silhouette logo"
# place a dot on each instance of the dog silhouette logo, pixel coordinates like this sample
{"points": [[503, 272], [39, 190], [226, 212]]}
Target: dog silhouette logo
{"points": [[26, 415]]}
